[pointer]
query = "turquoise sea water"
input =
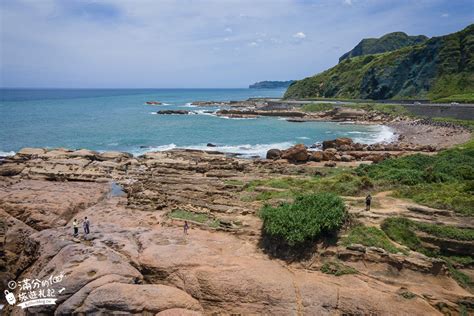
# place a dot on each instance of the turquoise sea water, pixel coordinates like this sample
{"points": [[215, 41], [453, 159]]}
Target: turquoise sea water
{"points": [[119, 119]]}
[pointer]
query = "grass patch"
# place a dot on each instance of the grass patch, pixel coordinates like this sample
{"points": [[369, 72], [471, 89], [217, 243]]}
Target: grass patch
{"points": [[337, 268], [306, 219], [388, 109], [317, 107], [234, 182], [195, 217], [452, 196], [464, 261], [402, 230], [370, 237], [342, 182], [445, 231], [459, 98]]}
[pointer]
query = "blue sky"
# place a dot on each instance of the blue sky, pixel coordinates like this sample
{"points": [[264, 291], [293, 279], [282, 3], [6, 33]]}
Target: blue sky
{"points": [[177, 44]]}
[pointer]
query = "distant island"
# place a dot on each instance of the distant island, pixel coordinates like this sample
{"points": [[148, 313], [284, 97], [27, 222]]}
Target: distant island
{"points": [[271, 84]]}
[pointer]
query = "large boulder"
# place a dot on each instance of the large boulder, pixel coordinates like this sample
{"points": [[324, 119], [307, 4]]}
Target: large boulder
{"points": [[338, 142], [316, 156], [274, 154], [137, 299], [329, 144], [347, 158], [343, 141], [295, 154], [329, 154]]}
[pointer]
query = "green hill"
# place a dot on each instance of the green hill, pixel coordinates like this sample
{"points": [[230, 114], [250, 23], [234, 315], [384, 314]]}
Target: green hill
{"points": [[387, 43], [439, 68]]}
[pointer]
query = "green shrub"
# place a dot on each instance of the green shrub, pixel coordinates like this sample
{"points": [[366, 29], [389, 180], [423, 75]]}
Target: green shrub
{"points": [[308, 217], [370, 237]]}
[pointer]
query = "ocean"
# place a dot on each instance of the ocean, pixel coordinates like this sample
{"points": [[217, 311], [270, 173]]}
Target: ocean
{"points": [[119, 120]]}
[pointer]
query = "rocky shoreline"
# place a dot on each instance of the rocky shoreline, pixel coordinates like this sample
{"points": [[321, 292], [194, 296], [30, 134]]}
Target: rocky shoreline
{"points": [[137, 260]]}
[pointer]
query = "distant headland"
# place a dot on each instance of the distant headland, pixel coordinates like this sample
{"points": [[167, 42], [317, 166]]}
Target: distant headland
{"points": [[271, 84]]}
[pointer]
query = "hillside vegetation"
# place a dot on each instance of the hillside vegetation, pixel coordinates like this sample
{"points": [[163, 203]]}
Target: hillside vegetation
{"points": [[439, 68], [387, 43]]}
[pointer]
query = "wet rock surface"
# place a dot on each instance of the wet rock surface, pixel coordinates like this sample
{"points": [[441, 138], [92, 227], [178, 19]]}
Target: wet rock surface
{"points": [[137, 260], [170, 112]]}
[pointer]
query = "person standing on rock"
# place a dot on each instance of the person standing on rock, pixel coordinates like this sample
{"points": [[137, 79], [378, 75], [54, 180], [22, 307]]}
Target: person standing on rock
{"points": [[75, 227], [368, 201], [186, 227], [85, 225]]}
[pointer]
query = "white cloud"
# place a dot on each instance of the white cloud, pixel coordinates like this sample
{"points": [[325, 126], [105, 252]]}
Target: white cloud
{"points": [[151, 41], [299, 35], [445, 15]]}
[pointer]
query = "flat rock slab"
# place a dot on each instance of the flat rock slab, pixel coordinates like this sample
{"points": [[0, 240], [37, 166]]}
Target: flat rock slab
{"points": [[45, 204]]}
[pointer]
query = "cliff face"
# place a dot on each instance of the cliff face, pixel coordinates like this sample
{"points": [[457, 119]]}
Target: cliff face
{"points": [[441, 67], [386, 43]]}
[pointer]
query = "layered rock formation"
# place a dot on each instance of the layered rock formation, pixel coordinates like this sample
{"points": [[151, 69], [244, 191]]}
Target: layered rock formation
{"points": [[138, 261]]}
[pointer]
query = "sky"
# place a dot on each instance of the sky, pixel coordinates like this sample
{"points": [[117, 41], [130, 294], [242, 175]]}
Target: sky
{"points": [[198, 44]]}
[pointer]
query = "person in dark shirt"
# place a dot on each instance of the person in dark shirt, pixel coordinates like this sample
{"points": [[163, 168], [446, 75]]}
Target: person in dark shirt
{"points": [[186, 227], [368, 201], [75, 227], [86, 225]]}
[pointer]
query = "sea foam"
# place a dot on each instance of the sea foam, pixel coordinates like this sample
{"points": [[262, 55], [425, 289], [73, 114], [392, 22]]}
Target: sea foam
{"points": [[7, 153], [245, 150]]}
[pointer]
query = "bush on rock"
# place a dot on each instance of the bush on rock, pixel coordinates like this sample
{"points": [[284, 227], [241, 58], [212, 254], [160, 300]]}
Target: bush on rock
{"points": [[306, 219]]}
